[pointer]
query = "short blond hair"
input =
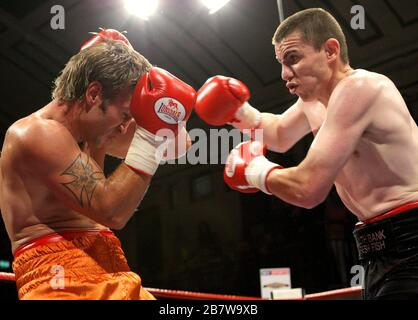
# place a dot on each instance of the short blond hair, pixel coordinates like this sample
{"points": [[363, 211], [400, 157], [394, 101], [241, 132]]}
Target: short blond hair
{"points": [[113, 64]]}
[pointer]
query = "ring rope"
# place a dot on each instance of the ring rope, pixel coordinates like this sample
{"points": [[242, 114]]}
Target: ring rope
{"points": [[354, 292]]}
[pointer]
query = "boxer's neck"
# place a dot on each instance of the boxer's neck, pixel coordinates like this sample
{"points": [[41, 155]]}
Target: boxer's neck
{"points": [[68, 114], [339, 74]]}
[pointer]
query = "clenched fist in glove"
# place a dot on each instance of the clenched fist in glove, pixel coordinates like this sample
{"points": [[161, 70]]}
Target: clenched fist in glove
{"points": [[246, 168], [161, 104], [224, 100]]}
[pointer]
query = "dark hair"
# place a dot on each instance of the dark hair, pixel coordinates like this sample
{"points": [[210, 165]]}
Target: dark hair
{"points": [[316, 26], [112, 63]]}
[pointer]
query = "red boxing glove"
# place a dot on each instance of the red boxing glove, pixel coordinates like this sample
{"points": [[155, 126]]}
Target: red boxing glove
{"points": [[223, 100], [161, 104], [246, 168], [110, 34], [161, 101]]}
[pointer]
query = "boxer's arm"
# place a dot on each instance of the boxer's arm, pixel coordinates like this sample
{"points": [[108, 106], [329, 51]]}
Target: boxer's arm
{"points": [[51, 153], [224, 100], [349, 114], [282, 131]]}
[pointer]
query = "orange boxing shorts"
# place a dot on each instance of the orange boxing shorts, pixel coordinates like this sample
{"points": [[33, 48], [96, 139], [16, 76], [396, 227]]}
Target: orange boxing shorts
{"points": [[76, 265]]}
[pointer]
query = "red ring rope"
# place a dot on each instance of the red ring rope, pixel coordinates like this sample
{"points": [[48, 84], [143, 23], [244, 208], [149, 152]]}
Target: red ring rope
{"points": [[353, 293]]}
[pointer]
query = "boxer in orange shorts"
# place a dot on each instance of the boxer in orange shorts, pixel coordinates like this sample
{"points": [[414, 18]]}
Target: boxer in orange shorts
{"points": [[57, 205], [88, 264]]}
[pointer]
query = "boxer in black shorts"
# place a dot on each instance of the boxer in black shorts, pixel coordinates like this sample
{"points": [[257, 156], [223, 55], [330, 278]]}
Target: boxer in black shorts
{"points": [[388, 251], [366, 141]]}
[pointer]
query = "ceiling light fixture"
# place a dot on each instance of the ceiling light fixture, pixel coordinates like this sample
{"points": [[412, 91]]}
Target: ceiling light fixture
{"points": [[142, 8], [214, 5]]}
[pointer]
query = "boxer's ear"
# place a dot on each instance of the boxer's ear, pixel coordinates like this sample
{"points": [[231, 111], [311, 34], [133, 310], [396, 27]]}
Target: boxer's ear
{"points": [[332, 49], [93, 95]]}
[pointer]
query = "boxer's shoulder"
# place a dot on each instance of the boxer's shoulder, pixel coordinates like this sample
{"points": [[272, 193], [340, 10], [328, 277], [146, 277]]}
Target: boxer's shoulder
{"points": [[360, 85], [34, 135], [34, 126], [364, 79]]}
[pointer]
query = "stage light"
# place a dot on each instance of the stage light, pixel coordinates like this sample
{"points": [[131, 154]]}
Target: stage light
{"points": [[214, 5], [142, 8]]}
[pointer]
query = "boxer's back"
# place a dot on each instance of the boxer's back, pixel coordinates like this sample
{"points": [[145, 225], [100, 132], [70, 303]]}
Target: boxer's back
{"points": [[28, 206]]}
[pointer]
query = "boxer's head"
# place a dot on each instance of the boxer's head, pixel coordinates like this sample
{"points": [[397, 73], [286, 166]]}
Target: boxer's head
{"points": [[100, 80], [311, 46]]}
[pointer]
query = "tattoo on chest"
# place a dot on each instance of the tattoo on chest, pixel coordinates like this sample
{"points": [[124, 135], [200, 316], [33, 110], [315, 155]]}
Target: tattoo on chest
{"points": [[85, 179]]}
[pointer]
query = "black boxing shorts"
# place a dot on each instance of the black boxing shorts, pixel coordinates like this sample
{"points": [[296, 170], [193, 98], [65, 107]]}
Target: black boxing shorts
{"points": [[388, 251]]}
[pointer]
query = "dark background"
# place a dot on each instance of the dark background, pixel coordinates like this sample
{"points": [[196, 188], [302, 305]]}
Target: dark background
{"points": [[191, 232]]}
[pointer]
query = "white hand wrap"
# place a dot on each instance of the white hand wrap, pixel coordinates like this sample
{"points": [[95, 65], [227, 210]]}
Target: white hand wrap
{"points": [[257, 171], [143, 152], [247, 117]]}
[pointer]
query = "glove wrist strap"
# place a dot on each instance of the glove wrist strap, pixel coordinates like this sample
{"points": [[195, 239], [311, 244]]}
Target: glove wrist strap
{"points": [[247, 117], [257, 171], [142, 154]]}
